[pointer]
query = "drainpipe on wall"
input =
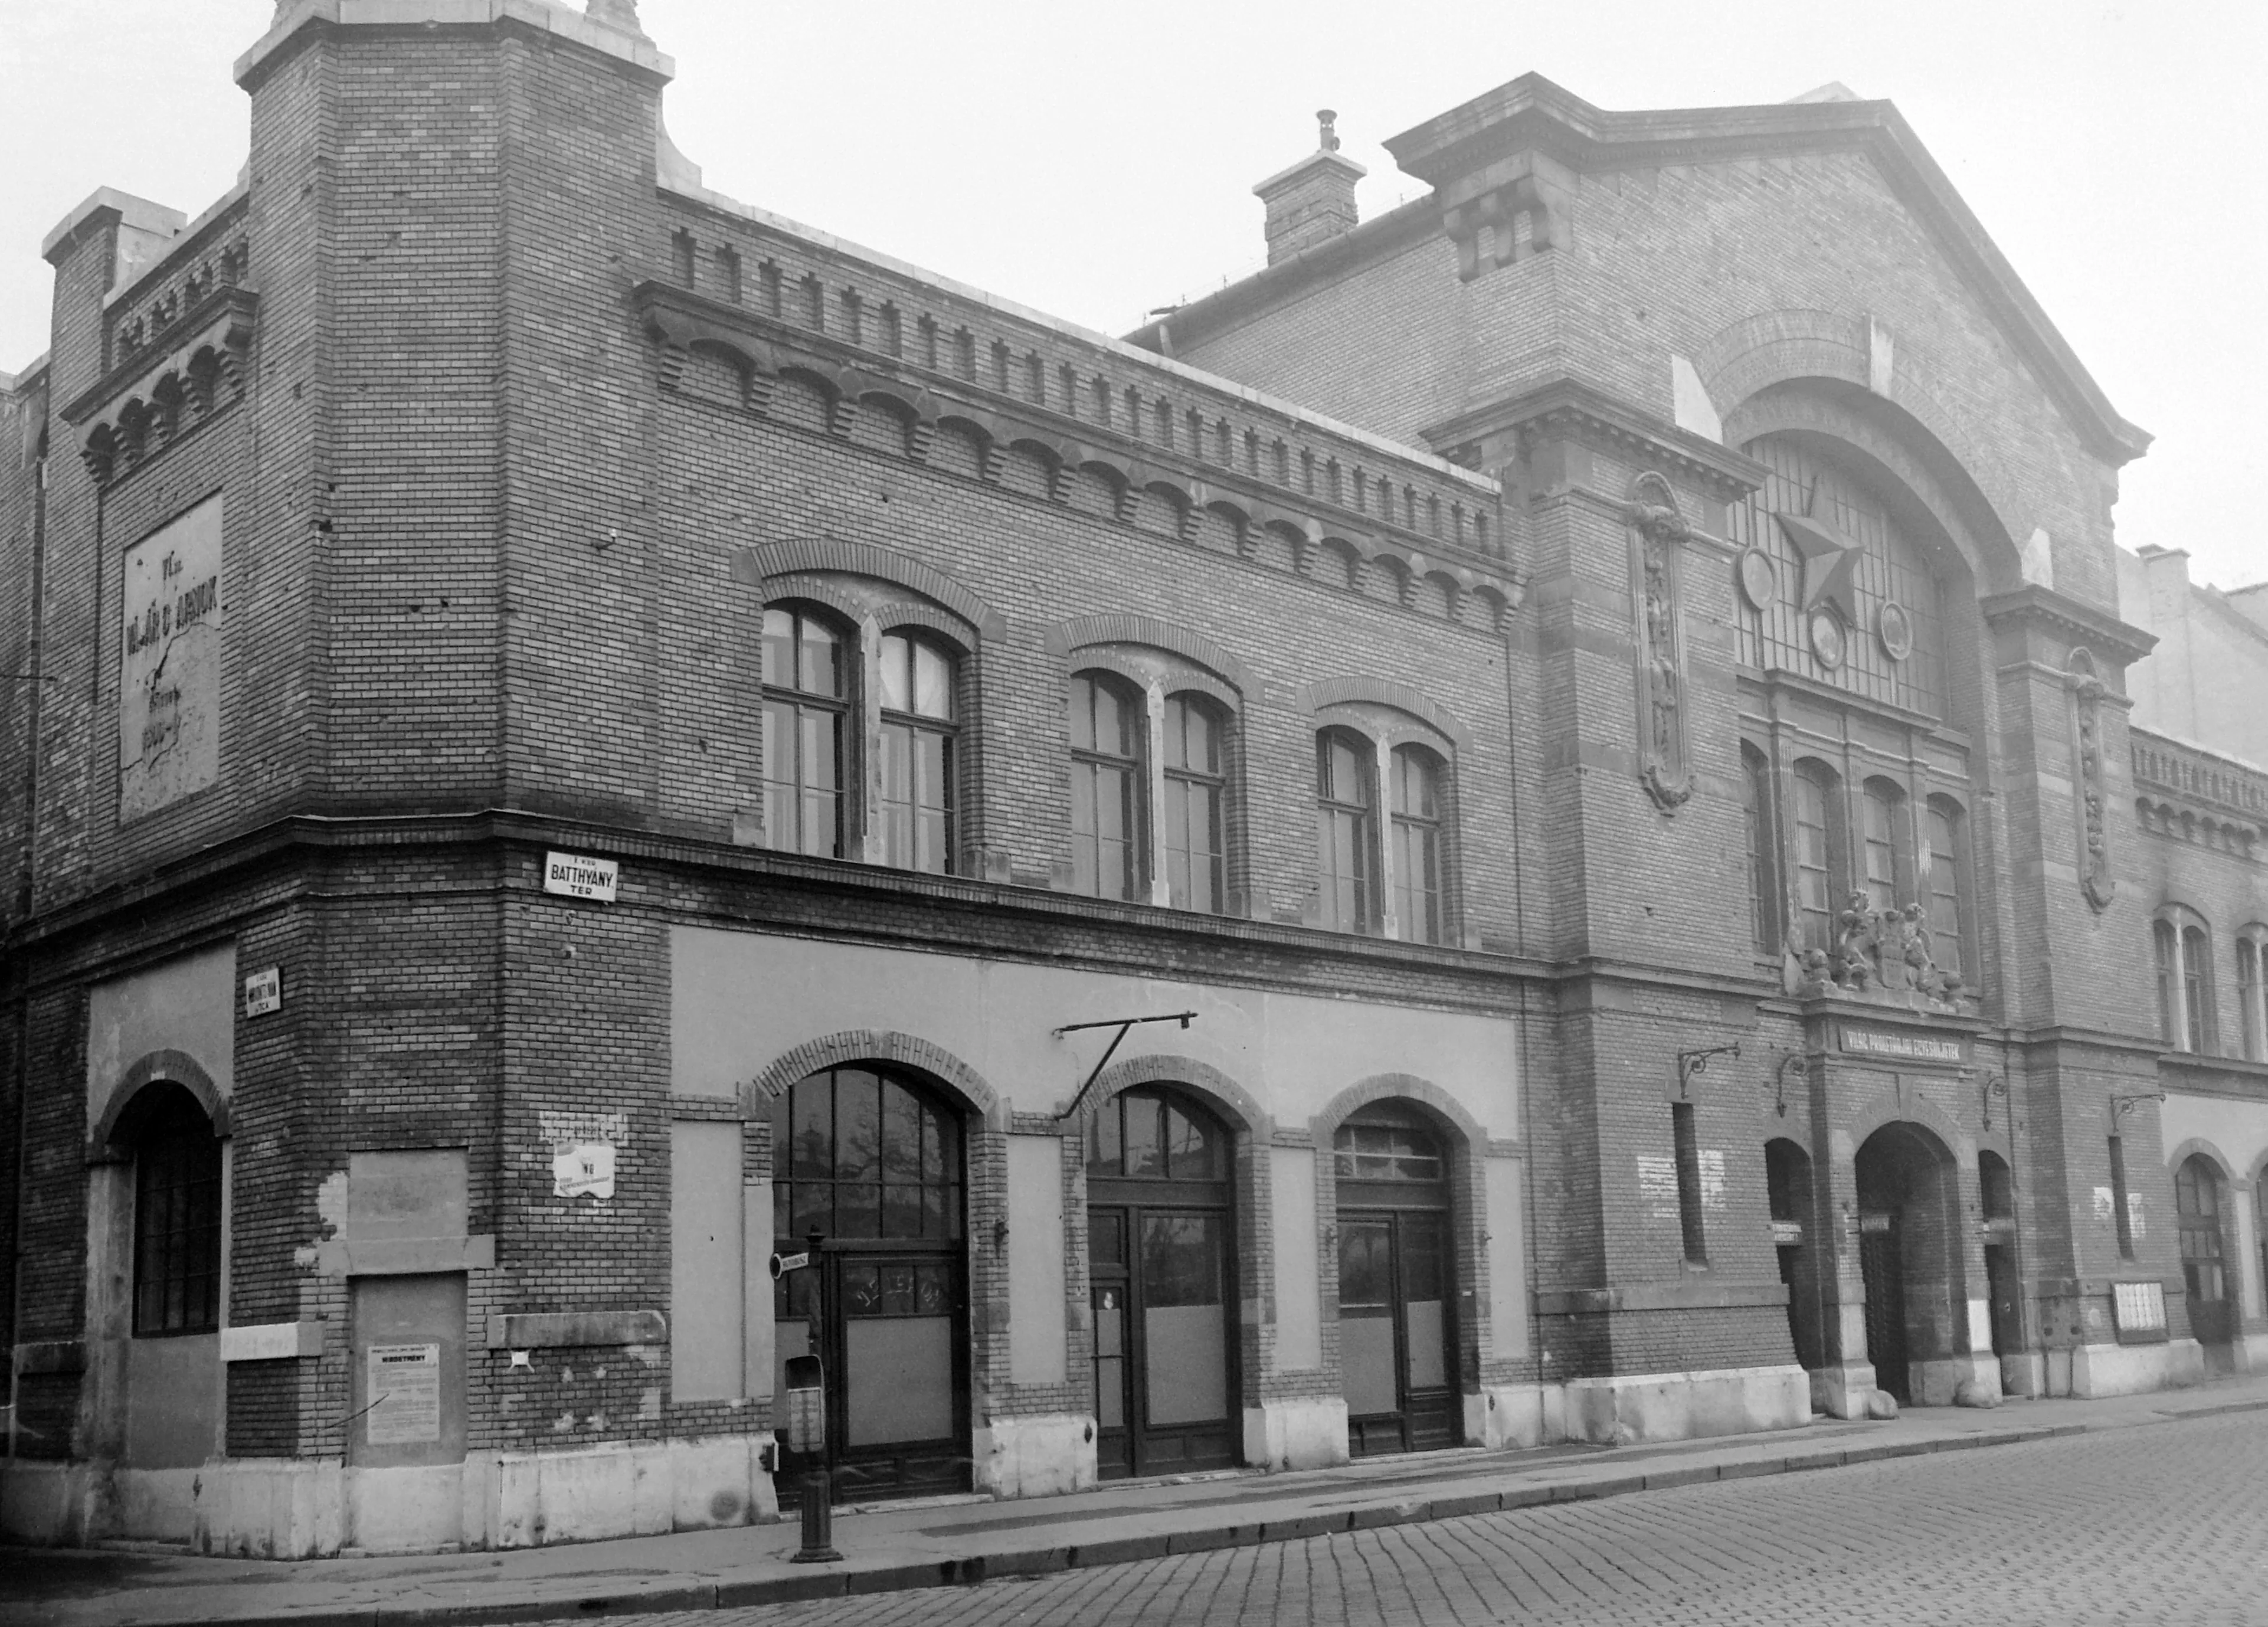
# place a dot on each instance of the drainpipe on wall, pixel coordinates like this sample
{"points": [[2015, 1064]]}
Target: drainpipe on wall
{"points": [[35, 664]]}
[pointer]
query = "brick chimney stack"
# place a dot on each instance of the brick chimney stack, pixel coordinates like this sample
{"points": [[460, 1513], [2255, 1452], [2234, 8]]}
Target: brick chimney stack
{"points": [[1313, 201]]}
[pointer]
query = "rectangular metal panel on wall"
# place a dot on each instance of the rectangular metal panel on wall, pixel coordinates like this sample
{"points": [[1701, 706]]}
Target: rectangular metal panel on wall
{"points": [[1037, 1335], [408, 1377], [706, 1219], [1508, 1261], [174, 1389], [1298, 1296]]}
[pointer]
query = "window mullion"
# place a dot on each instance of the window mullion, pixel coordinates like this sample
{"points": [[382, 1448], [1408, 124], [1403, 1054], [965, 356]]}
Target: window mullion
{"points": [[1389, 864]]}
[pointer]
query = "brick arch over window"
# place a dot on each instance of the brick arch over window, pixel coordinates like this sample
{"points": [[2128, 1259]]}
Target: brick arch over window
{"points": [[1234, 1105], [1324, 692], [754, 566], [1752, 356], [857, 1045], [1383, 1086], [2177, 1156], [177, 1066], [1080, 631]]}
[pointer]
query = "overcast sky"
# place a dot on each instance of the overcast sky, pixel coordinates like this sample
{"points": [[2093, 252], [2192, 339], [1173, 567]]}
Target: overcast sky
{"points": [[1098, 161]]}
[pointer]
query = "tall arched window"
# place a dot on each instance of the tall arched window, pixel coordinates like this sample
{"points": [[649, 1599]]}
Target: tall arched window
{"points": [[1346, 833], [1764, 906], [1818, 843], [918, 738], [2166, 944], [2197, 990], [1416, 816], [1889, 866], [1196, 790], [807, 694], [2196, 1207], [1106, 728], [2252, 993], [1948, 862], [177, 1212]]}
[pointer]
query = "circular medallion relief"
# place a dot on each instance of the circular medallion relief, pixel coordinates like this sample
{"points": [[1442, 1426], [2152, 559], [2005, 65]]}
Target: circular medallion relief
{"points": [[1758, 579], [1894, 626], [1827, 639]]}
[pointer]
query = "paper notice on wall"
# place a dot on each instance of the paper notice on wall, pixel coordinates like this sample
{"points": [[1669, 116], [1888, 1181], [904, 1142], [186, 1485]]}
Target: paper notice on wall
{"points": [[2134, 1226], [404, 1394], [1713, 1179], [583, 1150], [1657, 1185], [2106, 1207], [583, 1169]]}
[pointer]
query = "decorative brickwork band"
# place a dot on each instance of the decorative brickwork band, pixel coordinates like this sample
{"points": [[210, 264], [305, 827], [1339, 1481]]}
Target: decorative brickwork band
{"points": [[756, 566], [2095, 877], [1224, 1095], [1657, 530]]}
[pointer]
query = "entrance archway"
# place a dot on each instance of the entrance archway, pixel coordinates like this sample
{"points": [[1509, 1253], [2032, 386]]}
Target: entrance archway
{"points": [[871, 1158], [1397, 1299], [1909, 1241], [1161, 1262]]}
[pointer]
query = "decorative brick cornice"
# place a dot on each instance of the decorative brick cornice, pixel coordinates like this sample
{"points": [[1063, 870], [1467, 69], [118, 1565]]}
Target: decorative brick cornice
{"points": [[197, 366], [2193, 795], [1081, 632], [1569, 409], [1313, 697], [2032, 604], [849, 375]]}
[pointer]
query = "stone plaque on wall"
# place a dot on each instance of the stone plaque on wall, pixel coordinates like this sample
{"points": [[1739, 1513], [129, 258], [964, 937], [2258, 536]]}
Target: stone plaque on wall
{"points": [[169, 664]]}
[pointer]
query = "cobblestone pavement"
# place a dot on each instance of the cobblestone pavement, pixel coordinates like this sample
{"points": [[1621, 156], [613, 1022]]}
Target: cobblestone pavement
{"points": [[2167, 1523]]}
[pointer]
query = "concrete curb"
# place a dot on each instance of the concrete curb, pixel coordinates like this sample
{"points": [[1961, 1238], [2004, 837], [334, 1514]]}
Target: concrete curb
{"points": [[834, 1582]]}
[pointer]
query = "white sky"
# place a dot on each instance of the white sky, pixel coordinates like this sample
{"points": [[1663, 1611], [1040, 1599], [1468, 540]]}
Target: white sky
{"points": [[1097, 161]]}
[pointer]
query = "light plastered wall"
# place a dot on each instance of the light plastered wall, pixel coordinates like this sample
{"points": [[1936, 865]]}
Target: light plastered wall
{"points": [[740, 1000]]}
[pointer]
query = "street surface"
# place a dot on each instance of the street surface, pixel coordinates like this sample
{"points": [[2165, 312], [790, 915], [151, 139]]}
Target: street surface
{"points": [[2164, 1523]]}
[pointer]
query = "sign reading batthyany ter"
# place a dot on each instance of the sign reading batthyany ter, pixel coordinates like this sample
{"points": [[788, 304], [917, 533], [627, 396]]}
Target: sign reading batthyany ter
{"points": [[405, 1394], [1944, 1051], [576, 875], [169, 664]]}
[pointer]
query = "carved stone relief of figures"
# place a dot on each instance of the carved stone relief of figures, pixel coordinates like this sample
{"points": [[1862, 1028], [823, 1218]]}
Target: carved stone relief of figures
{"points": [[1658, 530], [1884, 957], [2091, 766]]}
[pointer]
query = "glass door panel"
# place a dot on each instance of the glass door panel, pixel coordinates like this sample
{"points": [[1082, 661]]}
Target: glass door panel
{"points": [[1367, 1340], [1184, 1319]]}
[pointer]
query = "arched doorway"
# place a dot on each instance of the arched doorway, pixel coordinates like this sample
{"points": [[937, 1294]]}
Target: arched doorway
{"points": [[2213, 1305], [1161, 1250], [1787, 1185], [871, 1159], [174, 1373], [1397, 1320], [1908, 1244]]}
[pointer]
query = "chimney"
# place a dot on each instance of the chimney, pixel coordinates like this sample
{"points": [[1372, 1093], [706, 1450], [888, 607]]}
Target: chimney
{"points": [[1313, 201]]}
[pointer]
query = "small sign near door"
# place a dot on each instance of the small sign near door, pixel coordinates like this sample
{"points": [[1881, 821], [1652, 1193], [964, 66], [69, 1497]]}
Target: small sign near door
{"points": [[263, 992], [405, 1394]]}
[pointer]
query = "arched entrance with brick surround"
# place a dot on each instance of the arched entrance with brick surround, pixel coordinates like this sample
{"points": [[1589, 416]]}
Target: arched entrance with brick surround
{"points": [[1908, 1253]]}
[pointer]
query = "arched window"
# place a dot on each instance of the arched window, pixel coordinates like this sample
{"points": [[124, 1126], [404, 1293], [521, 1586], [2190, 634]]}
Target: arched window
{"points": [[918, 741], [1889, 862], [1764, 906], [2197, 1208], [1948, 865], [1151, 1135], [807, 706], [1195, 791], [1417, 775], [177, 1212], [1346, 832], [2166, 943], [2197, 991], [1818, 850], [2252, 992], [1106, 730], [861, 1152]]}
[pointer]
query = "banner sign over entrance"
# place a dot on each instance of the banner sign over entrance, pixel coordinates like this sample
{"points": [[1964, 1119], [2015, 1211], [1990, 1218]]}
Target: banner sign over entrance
{"points": [[1944, 1051]]}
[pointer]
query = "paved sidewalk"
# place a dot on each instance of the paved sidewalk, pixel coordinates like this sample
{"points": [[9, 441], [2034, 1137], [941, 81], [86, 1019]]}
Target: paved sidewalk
{"points": [[962, 1541]]}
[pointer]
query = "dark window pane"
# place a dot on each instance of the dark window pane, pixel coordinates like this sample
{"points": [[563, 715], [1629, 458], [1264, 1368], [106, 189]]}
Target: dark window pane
{"points": [[811, 1210], [932, 1289], [1422, 1271], [1104, 1152], [857, 1125], [901, 1126], [1144, 1153], [1180, 1259], [898, 1289], [1191, 1148], [857, 1209], [813, 1157], [862, 1289], [1106, 1237], [1366, 1271], [901, 1211]]}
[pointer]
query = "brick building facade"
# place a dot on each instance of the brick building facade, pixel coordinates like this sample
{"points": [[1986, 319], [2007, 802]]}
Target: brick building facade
{"points": [[643, 732]]}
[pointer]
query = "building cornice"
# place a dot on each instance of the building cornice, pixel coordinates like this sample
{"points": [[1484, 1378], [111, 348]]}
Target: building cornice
{"points": [[2032, 605], [300, 22], [1569, 407]]}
